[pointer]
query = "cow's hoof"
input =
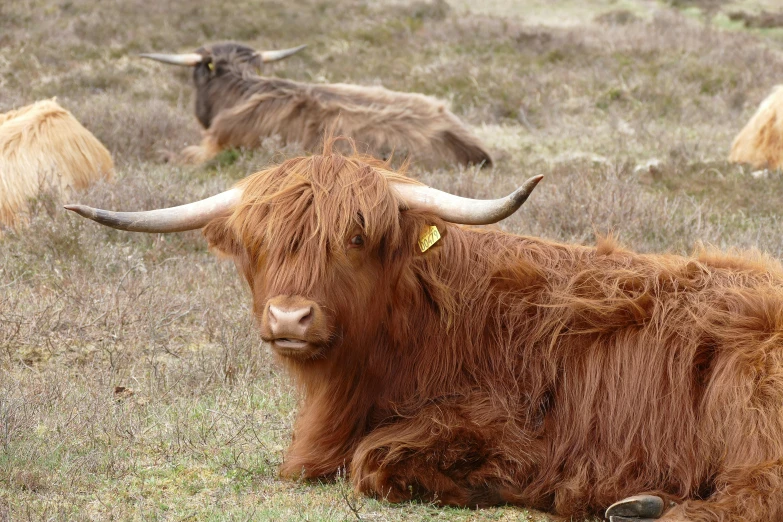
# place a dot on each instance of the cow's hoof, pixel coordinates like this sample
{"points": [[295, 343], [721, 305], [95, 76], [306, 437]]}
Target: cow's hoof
{"points": [[618, 518], [639, 508]]}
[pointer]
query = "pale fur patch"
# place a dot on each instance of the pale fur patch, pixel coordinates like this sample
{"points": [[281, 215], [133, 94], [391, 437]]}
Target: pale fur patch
{"points": [[760, 143], [43, 146]]}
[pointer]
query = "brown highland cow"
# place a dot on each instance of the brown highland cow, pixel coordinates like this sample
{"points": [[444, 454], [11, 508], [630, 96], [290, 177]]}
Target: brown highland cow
{"points": [[474, 367], [239, 109]]}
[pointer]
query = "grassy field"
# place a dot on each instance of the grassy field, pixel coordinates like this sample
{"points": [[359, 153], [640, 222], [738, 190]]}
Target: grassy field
{"points": [[133, 385]]}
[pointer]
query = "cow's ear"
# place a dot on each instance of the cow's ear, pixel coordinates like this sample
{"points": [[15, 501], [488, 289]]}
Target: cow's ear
{"points": [[423, 231], [221, 238]]}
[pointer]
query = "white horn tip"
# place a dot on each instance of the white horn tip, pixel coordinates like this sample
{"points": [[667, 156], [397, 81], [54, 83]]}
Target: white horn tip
{"points": [[273, 56], [82, 210], [190, 59]]}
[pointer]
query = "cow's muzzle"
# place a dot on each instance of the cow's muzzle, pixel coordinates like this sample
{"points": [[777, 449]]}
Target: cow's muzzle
{"points": [[294, 326]]}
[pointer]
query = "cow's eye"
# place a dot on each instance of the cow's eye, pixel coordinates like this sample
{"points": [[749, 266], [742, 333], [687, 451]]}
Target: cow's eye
{"points": [[356, 241]]}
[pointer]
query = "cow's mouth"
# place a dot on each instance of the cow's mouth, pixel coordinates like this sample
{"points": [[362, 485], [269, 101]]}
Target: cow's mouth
{"points": [[295, 348], [286, 343]]}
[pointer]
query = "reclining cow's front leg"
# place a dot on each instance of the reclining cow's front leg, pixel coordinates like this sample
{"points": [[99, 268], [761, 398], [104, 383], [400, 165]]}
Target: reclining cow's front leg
{"points": [[195, 154], [435, 456], [396, 473]]}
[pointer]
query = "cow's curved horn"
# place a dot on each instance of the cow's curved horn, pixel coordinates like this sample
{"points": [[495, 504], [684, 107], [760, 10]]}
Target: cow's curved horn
{"points": [[273, 56], [189, 59], [175, 219], [467, 211]]}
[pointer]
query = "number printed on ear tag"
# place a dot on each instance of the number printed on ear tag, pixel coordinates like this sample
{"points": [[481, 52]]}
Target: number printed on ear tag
{"points": [[429, 238]]}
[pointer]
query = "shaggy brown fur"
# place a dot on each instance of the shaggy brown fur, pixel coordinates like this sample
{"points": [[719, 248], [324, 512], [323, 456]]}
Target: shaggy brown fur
{"points": [[239, 109], [43, 146], [497, 368], [760, 143]]}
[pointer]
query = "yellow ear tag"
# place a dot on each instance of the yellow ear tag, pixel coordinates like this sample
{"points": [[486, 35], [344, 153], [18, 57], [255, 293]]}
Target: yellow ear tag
{"points": [[211, 66], [429, 238]]}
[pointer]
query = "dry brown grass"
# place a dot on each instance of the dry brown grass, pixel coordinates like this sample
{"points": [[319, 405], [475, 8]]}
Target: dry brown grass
{"points": [[132, 383]]}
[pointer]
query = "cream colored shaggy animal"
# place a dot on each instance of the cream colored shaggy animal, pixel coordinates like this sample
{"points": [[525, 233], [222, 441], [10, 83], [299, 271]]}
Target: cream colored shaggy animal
{"points": [[42, 146], [760, 143]]}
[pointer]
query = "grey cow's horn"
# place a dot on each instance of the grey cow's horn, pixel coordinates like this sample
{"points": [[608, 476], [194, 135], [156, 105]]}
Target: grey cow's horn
{"points": [[466, 211], [175, 219], [189, 59], [273, 56]]}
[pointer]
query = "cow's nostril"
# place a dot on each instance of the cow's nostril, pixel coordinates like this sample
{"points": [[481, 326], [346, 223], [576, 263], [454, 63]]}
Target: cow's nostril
{"points": [[307, 318]]}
